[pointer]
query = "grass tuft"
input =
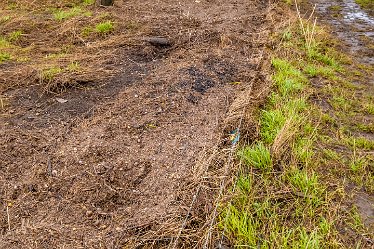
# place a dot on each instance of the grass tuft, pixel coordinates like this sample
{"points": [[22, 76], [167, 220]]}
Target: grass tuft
{"points": [[257, 156], [61, 15], [104, 27], [14, 36], [4, 57], [50, 73], [88, 2]]}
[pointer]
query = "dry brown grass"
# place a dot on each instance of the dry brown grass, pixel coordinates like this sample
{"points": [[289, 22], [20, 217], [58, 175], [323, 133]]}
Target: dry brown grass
{"points": [[49, 43]]}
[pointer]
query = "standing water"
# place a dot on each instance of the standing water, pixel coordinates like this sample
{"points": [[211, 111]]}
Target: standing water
{"points": [[353, 25]]}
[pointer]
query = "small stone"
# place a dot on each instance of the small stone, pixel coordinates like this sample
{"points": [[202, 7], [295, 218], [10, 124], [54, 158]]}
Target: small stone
{"points": [[61, 100], [54, 173]]}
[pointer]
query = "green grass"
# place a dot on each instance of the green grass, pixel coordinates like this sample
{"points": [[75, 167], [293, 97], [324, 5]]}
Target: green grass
{"points": [[272, 122], [86, 31], [12, 6], [73, 66], [257, 156], [314, 54], [4, 43], [336, 8], [366, 4], [288, 78], [358, 165], [4, 19], [15, 35], [369, 108], [283, 195], [356, 221], [317, 70], [360, 143], [61, 15], [303, 149], [88, 2], [365, 127], [104, 27], [261, 222], [4, 57], [307, 184], [50, 73]]}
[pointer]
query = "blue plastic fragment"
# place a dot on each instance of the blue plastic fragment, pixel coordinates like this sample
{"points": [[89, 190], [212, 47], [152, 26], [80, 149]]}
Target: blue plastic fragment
{"points": [[234, 136]]}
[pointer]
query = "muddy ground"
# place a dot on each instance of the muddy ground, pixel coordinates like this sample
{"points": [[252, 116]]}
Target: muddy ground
{"points": [[353, 26], [103, 163]]}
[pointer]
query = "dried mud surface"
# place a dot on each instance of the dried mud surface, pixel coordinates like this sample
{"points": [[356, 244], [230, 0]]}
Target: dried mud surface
{"points": [[112, 158]]}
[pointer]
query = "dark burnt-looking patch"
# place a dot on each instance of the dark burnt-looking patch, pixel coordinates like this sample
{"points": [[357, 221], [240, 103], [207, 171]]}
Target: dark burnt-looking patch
{"points": [[211, 73], [201, 82], [193, 98], [222, 69]]}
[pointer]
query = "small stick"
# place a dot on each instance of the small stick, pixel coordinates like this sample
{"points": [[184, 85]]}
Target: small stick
{"points": [[8, 217], [49, 166]]}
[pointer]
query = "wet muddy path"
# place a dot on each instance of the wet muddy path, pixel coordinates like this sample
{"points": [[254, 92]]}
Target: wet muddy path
{"points": [[350, 23], [354, 27]]}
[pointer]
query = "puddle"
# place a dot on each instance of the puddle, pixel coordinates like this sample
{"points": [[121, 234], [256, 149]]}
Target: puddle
{"points": [[352, 13], [364, 203], [353, 25]]}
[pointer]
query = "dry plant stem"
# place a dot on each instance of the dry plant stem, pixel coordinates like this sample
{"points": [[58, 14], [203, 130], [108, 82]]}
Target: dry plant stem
{"points": [[222, 187], [313, 30], [300, 19], [175, 242], [8, 216], [223, 181], [308, 35]]}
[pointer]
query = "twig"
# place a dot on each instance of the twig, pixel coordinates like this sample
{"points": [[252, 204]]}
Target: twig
{"points": [[186, 218], [8, 216], [300, 19]]}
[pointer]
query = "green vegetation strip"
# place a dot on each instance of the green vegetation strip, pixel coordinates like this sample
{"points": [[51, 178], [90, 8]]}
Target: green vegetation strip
{"points": [[366, 4], [283, 196]]}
